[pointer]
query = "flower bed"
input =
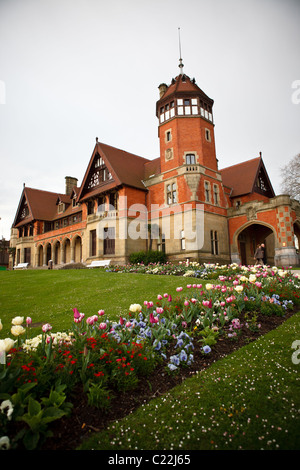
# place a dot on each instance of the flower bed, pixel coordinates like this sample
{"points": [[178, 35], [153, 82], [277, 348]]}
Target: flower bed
{"points": [[106, 358]]}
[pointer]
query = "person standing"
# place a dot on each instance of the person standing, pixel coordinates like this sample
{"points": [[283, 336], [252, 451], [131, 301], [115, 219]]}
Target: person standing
{"points": [[259, 255]]}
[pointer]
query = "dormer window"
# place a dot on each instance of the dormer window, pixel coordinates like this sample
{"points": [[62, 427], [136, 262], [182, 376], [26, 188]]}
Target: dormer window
{"points": [[61, 207]]}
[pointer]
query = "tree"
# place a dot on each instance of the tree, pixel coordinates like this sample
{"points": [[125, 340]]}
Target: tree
{"points": [[291, 178]]}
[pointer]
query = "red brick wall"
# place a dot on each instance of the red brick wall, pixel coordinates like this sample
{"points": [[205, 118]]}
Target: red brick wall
{"points": [[188, 135]]}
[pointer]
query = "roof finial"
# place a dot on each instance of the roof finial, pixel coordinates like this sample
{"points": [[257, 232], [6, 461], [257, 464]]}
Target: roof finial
{"points": [[180, 59]]}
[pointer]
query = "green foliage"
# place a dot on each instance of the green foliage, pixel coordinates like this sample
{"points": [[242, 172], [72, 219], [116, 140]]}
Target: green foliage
{"points": [[208, 336], [270, 309], [99, 396], [40, 414], [148, 257]]}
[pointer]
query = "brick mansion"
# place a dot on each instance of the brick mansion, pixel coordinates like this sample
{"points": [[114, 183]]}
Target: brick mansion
{"points": [[91, 220]]}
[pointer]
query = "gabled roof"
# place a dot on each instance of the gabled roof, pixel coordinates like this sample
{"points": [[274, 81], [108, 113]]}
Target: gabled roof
{"points": [[125, 168], [42, 205], [242, 177]]}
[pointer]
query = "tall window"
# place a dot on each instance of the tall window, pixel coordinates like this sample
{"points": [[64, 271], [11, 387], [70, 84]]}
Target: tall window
{"points": [[93, 243], [27, 255], [216, 194], [214, 242], [113, 201], [207, 135], [101, 203], [171, 193], [109, 241], [207, 191], [182, 240], [91, 207], [161, 243]]}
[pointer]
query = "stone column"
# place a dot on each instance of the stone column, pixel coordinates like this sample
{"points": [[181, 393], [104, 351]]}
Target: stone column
{"points": [[286, 256]]}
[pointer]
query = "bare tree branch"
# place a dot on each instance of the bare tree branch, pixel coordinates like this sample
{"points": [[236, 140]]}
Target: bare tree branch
{"points": [[290, 183]]}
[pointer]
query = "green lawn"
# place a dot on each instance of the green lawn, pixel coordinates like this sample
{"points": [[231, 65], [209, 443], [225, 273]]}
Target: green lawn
{"points": [[48, 296]]}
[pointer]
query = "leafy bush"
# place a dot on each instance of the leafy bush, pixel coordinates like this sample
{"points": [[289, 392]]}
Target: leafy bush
{"points": [[148, 257]]}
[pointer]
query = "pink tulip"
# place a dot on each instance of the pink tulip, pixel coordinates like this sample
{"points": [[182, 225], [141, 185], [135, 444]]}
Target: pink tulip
{"points": [[170, 298], [91, 320], [28, 321], [159, 297], [178, 289], [76, 313], [46, 327], [186, 303], [122, 321], [101, 312], [152, 318], [102, 326], [159, 310]]}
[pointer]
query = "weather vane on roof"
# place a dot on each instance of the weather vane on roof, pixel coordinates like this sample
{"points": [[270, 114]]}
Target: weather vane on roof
{"points": [[180, 58]]}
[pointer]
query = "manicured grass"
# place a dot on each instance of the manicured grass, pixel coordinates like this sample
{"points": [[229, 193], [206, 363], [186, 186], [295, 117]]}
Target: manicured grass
{"points": [[249, 400], [48, 296]]}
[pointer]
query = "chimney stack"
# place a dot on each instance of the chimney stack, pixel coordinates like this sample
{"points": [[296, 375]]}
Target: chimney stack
{"points": [[70, 183], [162, 89]]}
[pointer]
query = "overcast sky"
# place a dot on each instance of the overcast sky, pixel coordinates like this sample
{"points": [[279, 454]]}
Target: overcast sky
{"points": [[74, 70]]}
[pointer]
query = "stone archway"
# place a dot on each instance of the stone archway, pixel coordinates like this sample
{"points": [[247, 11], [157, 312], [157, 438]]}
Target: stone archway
{"points": [[66, 251], [77, 247], [47, 253], [40, 252], [246, 239], [56, 252]]}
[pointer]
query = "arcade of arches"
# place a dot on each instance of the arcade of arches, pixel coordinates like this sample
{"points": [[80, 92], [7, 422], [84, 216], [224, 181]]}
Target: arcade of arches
{"points": [[60, 252]]}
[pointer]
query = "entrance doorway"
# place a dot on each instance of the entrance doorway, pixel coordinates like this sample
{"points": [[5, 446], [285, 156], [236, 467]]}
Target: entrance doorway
{"points": [[252, 236]]}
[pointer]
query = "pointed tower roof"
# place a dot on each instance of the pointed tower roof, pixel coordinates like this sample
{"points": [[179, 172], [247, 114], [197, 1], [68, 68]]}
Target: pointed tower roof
{"points": [[181, 85]]}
